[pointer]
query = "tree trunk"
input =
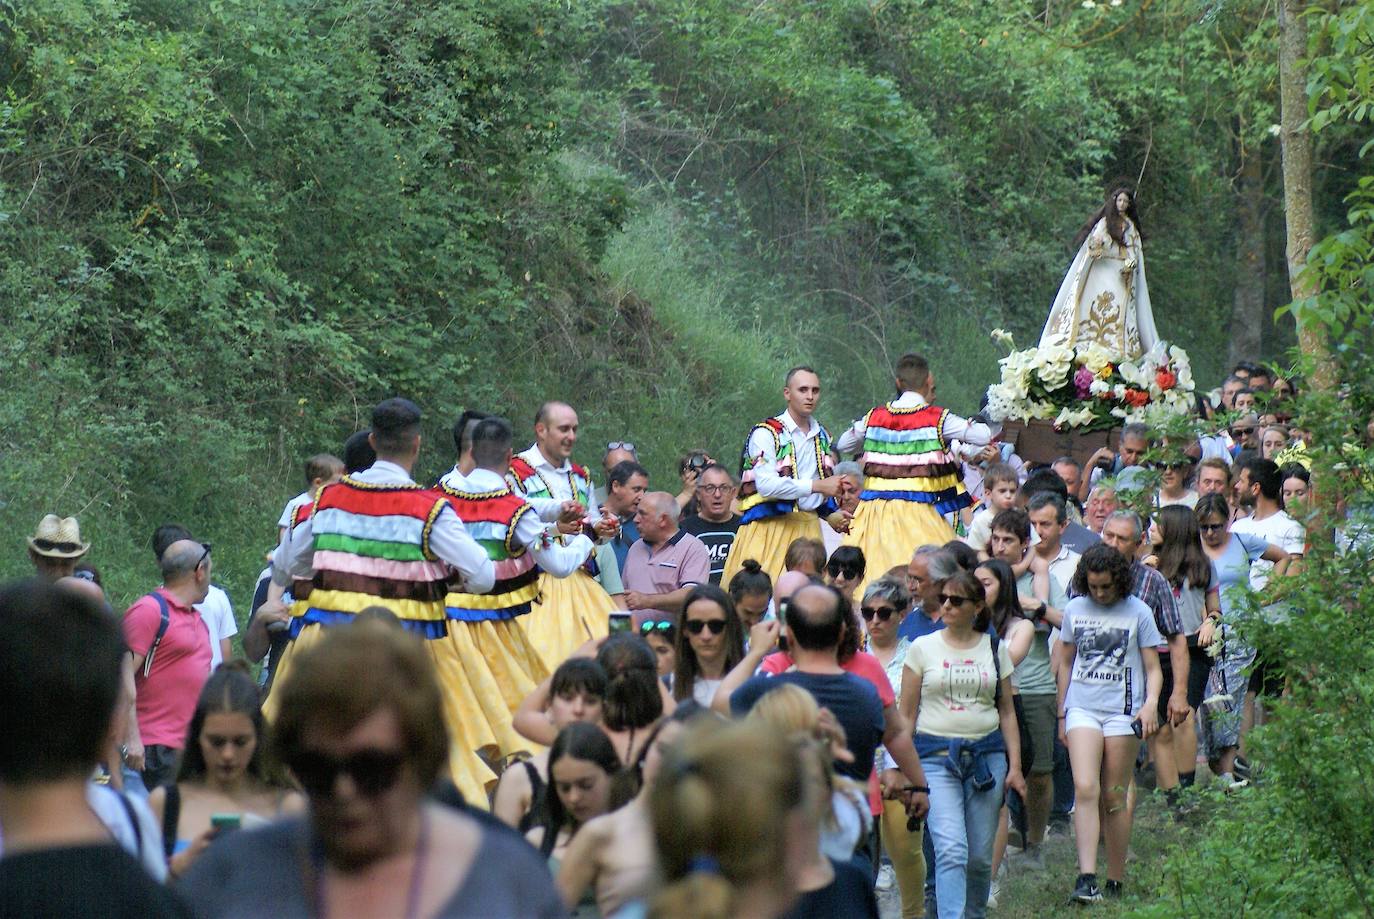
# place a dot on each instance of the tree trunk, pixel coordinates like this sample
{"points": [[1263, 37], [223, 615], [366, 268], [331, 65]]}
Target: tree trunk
{"points": [[1247, 305], [1297, 180]]}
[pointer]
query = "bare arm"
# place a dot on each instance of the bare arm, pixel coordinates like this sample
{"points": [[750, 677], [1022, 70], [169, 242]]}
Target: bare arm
{"points": [[133, 740], [670, 602], [1179, 664], [1011, 736], [530, 720], [513, 794], [581, 863], [1019, 641], [1154, 682], [763, 638]]}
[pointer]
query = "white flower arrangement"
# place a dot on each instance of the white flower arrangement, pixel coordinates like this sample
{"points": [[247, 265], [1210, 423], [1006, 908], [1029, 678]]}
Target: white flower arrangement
{"points": [[1087, 387]]}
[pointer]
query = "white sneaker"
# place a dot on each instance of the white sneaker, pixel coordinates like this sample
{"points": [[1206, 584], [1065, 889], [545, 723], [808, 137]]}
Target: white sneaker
{"points": [[887, 877], [993, 892]]}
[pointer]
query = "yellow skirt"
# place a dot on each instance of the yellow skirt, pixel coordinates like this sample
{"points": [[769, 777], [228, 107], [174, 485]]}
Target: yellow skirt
{"points": [[485, 670], [766, 542], [888, 532], [568, 612]]}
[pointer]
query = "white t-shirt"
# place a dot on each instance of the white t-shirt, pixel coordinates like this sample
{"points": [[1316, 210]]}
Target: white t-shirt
{"points": [[1277, 529], [958, 685], [303, 498], [218, 615], [143, 842], [1108, 673], [1188, 500]]}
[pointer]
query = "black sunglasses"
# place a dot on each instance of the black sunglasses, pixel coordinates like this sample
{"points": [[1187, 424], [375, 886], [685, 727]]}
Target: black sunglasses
{"points": [[954, 600], [649, 626], [697, 626], [883, 613], [47, 545], [849, 572], [1209, 527], [372, 771], [204, 555]]}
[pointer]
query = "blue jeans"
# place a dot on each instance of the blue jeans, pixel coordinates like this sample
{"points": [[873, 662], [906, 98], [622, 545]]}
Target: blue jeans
{"points": [[962, 825]]}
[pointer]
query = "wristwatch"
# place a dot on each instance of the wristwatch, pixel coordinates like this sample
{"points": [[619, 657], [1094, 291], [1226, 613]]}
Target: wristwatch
{"points": [[1040, 610]]}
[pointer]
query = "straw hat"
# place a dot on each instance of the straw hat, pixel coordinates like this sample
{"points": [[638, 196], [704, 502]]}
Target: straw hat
{"points": [[58, 537]]}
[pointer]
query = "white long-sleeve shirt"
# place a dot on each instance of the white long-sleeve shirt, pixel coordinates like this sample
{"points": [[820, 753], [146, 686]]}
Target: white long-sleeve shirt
{"points": [[805, 463], [448, 540], [952, 428], [554, 557], [560, 486]]}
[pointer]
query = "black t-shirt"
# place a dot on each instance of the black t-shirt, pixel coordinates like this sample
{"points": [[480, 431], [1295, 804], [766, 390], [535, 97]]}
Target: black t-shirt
{"points": [[718, 536], [851, 699], [850, 895], [82, 881]]}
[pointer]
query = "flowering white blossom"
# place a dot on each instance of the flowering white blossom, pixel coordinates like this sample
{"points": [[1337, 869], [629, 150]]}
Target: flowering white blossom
{"points": [[1003, 337], [1094, 356], [1099, 387], [1072, 418]]}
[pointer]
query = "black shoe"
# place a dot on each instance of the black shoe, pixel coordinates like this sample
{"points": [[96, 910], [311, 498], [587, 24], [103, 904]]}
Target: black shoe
{"points": [[1242, 769], [1113, 890], [1085, 890]]}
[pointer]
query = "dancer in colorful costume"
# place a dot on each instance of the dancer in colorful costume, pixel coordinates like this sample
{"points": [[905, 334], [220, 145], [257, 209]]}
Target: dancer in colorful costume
{"points": [[570, 609], [787, 477], [376, 538], [495, 655], [911, 473]]}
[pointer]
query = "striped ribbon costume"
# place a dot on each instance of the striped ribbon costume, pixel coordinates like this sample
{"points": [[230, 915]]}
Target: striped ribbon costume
{"points": [[754, 506], [906, 458], [491, 518]]}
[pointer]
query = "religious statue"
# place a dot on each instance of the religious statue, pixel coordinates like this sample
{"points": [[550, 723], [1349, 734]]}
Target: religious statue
{"points": [[1103, 299]]}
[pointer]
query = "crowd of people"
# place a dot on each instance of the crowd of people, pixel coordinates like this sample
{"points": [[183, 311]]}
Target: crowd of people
{"points": [[901, 657]]}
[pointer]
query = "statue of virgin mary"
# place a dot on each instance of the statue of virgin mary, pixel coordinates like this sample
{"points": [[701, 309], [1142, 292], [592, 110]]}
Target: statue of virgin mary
{"points": [[1103, 299]]}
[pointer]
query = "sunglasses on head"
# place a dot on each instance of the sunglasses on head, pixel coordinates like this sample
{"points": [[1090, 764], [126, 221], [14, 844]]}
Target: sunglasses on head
{"points": [[697, 626], [620, 445], [883, 613], [372, 771], [954, 600], [649, 626], [848, 572]]}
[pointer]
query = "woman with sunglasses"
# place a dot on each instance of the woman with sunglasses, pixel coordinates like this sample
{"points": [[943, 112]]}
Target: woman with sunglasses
{"points": [[1231, 554], [885, 604], [582, 768], [1109, 687], [709, 645], [573, 694], [958, 694], [1173, 485], [845, 570], [1008, 622], [360, 724], [661, 634], [225, 770]]}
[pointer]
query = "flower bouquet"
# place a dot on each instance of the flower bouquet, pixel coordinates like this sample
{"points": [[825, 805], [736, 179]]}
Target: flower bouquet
{"points": [[1087, 388]]}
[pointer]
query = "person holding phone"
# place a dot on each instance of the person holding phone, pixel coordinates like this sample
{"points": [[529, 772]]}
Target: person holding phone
{"points": [[1109, 687], [226, 779]]}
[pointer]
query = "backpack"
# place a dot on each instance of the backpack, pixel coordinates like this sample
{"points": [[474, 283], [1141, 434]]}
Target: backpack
{"points": [[161, 631]]}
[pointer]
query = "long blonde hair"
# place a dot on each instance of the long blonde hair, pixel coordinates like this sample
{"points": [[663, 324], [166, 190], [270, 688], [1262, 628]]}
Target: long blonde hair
{"points": [[718, 811]]}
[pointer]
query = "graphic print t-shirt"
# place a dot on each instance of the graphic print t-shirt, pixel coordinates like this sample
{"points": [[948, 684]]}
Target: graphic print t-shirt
{"points": [[958, 685], [719, 537], [1108, 674]]}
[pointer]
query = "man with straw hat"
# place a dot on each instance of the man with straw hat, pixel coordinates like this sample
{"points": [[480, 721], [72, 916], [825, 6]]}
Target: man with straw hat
{"points": [[56, 547]]}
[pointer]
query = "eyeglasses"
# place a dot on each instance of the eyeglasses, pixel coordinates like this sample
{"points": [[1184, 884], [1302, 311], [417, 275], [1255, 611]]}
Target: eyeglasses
{"points": [[620, 445], [47, 545], [714, 489], [697, 626], [649, 626], [883, 613], [372, 771], [204, 555], [848, 572], [954, 601], [1211, 527]]}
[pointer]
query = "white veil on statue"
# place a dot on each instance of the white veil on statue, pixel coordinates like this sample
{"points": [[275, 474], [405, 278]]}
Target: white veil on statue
{"points": [[1103, 299]]}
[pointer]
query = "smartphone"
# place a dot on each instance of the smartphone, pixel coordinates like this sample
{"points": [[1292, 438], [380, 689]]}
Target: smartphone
{"points": [[226, 821], [621, 622], [1137, 728]]}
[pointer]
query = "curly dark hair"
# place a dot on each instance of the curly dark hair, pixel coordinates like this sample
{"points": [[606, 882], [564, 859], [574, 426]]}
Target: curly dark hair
{"points": [[1102, 558], [1116, 227]]}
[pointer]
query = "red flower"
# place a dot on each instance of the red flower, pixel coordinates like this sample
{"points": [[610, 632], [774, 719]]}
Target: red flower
{"points": [[1166, 380], [1137, 398]]}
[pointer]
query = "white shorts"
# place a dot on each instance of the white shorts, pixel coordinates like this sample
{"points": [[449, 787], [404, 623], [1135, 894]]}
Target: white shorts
{"points": [[1117, 725]]}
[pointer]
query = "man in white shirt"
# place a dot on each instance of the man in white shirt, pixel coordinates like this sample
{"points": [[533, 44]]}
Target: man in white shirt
{"points": [[1258, 486], [787, 478]]}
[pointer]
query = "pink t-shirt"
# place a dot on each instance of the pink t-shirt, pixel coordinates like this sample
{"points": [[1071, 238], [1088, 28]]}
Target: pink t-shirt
{"points": [[167, 695]]}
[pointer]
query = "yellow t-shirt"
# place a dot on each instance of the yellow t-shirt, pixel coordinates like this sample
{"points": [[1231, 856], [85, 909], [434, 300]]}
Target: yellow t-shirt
{"points": [[958, 686]]}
